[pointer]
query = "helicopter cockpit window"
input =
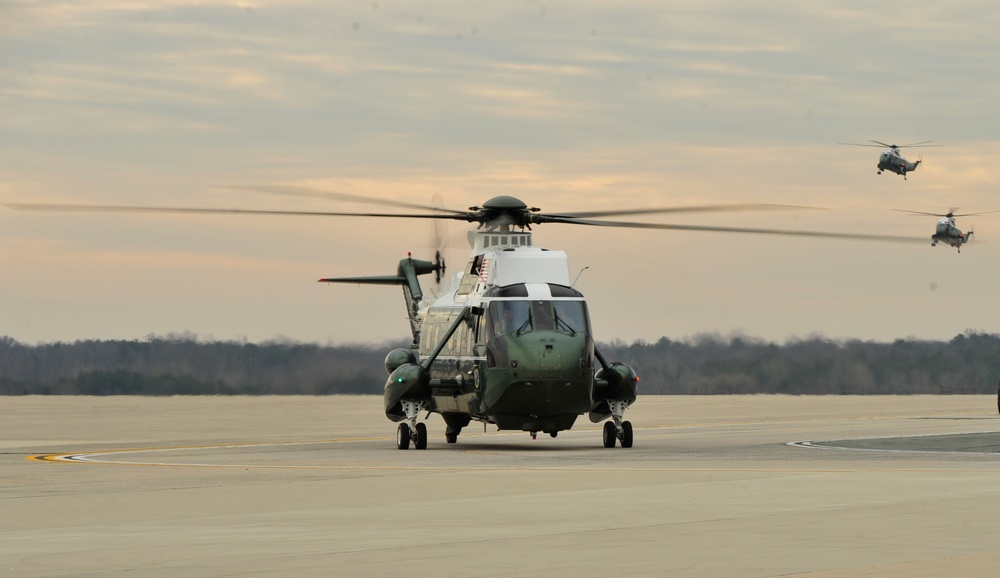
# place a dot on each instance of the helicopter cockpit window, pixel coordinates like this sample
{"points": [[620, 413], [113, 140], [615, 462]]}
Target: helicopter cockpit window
{"points": [[524, 316], [570, 316], [508, 316]]}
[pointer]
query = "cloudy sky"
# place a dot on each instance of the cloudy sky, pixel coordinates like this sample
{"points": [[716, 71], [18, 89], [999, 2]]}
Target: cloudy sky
{"points": [[567, 105]]}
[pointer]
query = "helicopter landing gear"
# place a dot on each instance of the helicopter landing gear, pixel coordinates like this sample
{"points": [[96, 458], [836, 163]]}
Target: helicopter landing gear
{"points": [[450, 436], [410, 430], [618, 430]]}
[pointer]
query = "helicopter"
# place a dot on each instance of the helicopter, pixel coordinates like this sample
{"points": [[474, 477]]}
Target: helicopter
{"points": [[946, 231], [509, 341], [891, 159]]}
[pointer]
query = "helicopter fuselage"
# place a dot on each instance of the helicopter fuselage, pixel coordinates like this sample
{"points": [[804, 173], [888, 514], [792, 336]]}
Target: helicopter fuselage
{"points": [[508, 344], [523, 362], [524, 359], [891, 160], [946, 232]]}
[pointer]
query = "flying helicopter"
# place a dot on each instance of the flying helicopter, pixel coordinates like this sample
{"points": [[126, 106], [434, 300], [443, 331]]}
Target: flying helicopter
{"points": [[509, 342], [946, 231], [891, 159]]}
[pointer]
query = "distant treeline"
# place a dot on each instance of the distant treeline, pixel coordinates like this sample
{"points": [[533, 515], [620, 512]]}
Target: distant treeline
{"points": [[185, 366], [969, 363]]}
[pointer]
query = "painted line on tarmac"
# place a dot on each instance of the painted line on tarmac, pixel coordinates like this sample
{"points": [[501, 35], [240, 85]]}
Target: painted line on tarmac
{"points": [[97, 456], [102, 458], [831, 444]]}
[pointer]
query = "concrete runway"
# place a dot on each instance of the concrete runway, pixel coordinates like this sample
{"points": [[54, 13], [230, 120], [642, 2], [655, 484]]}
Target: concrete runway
{"points": [[303, 486]]}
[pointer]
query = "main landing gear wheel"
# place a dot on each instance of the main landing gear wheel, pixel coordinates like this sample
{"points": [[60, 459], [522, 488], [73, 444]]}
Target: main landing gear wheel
{"points": [[403, 436], [450, 437]]}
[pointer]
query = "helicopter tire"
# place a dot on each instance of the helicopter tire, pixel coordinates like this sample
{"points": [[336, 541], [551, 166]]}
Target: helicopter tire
{"points": [[403, 436], [626, 434], [610, 434], [450, 437], [553, 433], [421, 442]]}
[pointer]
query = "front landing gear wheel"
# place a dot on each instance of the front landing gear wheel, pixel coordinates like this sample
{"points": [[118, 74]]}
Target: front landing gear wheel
{"points": [[450, 437], [610, 434], [420, 442], [403, 436], [626, 434]]}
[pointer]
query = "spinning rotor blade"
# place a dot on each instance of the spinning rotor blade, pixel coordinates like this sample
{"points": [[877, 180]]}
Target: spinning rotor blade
{"points": [[974, 214], [499, 211], [191, 210], [921, 213], [336, 196], [439, 235], [879, 143], [950, 213], [858, 236], [857, 144], [543, 217], [918, 144]]}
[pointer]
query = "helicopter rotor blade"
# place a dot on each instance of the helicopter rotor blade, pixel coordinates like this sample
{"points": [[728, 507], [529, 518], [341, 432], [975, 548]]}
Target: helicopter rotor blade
{"points": [[974, 214], [920, 144], [65, 207], [439, 267], [921, 213], [715, 229], [493, 215], [880, 144], [439, 235], [542, 217], [857, 144], [951, 213], [336, 196]]}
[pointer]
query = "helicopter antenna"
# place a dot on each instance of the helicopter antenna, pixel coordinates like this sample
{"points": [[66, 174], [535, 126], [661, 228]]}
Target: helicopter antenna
{"points": [[578, 276]]}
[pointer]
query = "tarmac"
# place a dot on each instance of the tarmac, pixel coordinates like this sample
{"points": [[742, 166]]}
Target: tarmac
{"points": [[314, 486]]}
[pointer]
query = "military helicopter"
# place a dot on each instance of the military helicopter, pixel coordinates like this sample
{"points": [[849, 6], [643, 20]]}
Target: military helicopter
{"points": [[891, 160], [946, 231], [509, 342]]}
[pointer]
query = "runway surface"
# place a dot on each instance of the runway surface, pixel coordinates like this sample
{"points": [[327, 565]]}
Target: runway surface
{"points": [[313, 486]]}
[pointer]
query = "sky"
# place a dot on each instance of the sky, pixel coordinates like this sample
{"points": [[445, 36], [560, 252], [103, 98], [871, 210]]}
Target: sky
{"points": [[566, 105]]}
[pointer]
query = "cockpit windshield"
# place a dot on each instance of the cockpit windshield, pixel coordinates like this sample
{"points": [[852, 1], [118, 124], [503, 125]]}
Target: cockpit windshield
{"points": [[520, 317]]}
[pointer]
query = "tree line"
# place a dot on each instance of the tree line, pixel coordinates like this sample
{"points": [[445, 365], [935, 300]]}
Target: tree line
{"points": [[707, 364]]}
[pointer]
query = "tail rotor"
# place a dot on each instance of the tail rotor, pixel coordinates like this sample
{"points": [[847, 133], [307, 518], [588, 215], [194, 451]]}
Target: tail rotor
{"points": [[439, 237], [439, 267]]}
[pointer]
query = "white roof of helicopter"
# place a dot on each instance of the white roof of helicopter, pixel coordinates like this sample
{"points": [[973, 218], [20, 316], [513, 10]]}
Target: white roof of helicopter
{"points": [[507, 266]]}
